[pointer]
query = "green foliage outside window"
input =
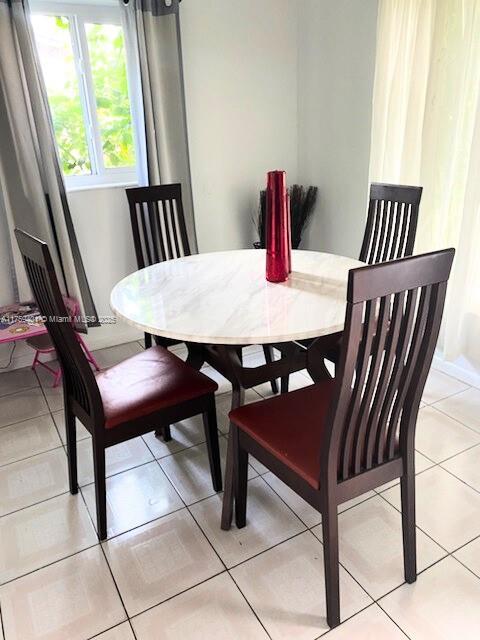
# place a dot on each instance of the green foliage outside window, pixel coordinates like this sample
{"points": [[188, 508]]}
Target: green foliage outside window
{"points": [[107, 61], [109, 75]]}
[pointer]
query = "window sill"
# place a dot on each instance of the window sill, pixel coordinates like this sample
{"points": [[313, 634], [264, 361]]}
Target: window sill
{"points": [[94, 187]]}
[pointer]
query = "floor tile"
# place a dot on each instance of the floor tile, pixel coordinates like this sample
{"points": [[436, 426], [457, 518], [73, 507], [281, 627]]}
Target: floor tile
{"points": [[469, 555], [187, 433], [81, 432], [447, 509], [297, 381], [213, 609], [180, 350], [120, 457], [54, 395], [121, 632], [224, 385], [442, 603], [28, 438], [370, 624], [269, 521], [371, 546], [466, 466], [29, 481], [135, 497], [189, 472], [304, 511], [438, 436], [17, 380], [73, 599], [224, 406], [114, 355], [160, 560], [44, 533], [22, 405], [439, 385], [286, 588], [464, 406], [421, 464], [257, 465]]}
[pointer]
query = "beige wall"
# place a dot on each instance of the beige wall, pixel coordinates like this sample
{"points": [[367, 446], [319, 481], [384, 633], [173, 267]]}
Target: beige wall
{"points": [[240, 62], [336, 62]]}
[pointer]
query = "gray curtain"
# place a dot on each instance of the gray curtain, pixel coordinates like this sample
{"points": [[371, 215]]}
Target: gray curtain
{"points": [[157, 34], [33, 192]]}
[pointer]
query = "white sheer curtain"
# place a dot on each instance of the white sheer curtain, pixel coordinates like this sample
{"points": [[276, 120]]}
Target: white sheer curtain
{"points": [[426, 131]]}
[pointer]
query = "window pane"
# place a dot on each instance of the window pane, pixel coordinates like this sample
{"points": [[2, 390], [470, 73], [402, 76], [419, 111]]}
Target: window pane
{"points": [[52, 34], [106, 48]]}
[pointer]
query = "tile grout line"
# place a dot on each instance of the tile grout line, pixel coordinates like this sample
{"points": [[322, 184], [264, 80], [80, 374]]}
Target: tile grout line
{"points": [[248, 604], [49, 564], [2, 626], [260, 475], [99, 543], [432, 406], [34, 455]]}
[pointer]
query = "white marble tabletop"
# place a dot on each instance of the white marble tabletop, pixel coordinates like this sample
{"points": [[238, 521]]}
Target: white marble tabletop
{"points": [[224, 298]]}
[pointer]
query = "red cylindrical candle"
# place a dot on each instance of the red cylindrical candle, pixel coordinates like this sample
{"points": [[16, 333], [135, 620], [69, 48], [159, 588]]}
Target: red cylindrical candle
{"points": [[276, 230], [288, 236]]}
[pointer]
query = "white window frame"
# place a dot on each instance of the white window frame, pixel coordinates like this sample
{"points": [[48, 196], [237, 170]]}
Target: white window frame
{"points": [[106, 12]]}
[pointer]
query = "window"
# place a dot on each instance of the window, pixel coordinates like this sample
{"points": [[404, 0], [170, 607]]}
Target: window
{"points": [[83, 59]]}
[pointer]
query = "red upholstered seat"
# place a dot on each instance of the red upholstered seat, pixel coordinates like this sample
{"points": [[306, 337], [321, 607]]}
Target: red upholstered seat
{"points": [[147, 382], [290, 427]]}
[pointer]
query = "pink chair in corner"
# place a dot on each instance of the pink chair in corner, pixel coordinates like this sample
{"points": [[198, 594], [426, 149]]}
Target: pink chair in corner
{"points": [[42, 344]]}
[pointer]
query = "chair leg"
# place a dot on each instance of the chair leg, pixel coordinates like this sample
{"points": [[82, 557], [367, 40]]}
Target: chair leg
{"points": [[35, 359], [70, 429], [241, 484], [238, 398], [330, 555], [100, 488], [148, 340], [211, 435], [407, 491], [89, 355], [284, 384], [167, 433], [268, 353], [57, 378]]}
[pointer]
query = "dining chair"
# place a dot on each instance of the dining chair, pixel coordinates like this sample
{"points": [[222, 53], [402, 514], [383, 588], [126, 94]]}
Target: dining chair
{"points": [[42, 345], [390, 233], [159, 234], [337, 439], [127, 400]]}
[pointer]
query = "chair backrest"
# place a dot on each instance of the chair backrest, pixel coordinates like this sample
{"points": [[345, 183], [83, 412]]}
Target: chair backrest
{"points": [[392, 322], [158, 223], [78, 379], [391, 222]]}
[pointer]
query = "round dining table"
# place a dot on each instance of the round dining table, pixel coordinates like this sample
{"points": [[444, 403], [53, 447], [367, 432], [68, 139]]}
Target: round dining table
{"points": [[219, 302]]}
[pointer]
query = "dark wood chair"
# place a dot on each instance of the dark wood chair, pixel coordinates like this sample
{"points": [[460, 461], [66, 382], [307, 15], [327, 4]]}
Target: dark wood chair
{"points": [[159, 230], [390, 232], [122, 402], [337, 439], [159, 234]]}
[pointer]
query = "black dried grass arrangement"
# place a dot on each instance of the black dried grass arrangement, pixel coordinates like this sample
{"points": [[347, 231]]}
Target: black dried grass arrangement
{"points": [[302, 205]]}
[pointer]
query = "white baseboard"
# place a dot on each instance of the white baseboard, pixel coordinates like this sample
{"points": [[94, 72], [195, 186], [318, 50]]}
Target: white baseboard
{"points": [[460, 370]]}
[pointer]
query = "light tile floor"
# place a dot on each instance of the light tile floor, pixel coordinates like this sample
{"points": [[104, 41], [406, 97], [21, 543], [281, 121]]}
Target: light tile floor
{"points": [[167, 571]]}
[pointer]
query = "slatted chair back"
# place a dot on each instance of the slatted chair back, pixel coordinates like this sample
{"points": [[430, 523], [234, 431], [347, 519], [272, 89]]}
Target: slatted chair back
{"points": [[158, 223], [391, 222], [392, 322], [79, 382]]}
